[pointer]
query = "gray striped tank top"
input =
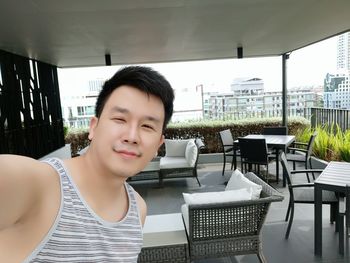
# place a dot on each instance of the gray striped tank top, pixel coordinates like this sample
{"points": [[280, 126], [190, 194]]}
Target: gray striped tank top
{"points": [[80, 235]]}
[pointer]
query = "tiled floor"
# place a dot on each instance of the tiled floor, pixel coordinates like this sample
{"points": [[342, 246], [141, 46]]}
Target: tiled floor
{"points": [[298, 248]]}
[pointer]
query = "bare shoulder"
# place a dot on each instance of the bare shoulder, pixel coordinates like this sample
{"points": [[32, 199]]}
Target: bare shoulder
{"points": [[142, 207], [21, 170], [23, 183]]}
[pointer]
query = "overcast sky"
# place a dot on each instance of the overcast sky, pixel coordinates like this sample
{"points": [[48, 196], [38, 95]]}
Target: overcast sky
{"points": [[307, 66]]}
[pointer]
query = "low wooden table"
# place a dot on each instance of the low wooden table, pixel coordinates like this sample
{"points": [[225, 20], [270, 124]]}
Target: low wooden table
{"points": [[164, 240]]}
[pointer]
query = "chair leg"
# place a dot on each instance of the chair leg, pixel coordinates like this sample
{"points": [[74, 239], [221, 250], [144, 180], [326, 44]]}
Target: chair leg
{"points": [[223, 168], [196, 175], [290, 221], [307, 174], [198, 181], [261, 257], [293, 165], [288, 210], [340, 222], [233, 162], [333, 213], [313, 174]]}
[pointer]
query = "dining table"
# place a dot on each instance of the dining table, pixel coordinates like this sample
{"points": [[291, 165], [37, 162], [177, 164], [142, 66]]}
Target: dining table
{"points": [[277, 142], [335, 177]]}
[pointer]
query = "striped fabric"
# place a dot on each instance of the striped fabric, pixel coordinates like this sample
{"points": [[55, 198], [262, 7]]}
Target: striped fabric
{"points": [[80, 235]]}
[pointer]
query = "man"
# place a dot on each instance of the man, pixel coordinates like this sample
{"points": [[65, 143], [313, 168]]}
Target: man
{"points": [[81, 209]]}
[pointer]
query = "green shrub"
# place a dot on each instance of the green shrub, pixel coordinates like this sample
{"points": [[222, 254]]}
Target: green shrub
{"points": [[331, 143], [206, 130]]}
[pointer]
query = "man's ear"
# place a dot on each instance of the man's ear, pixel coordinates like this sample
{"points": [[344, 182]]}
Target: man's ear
{"points": [[161, 140], [93, 124]]}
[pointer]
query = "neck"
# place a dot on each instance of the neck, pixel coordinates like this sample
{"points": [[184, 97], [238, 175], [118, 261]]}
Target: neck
{"points": [[103, 191]]}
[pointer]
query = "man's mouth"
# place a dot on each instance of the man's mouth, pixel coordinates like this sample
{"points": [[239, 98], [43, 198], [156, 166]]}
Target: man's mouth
{"points": [[129, 154]]}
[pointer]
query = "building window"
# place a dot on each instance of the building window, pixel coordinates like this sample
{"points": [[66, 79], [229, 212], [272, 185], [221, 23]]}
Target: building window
{"points": [[85, 110]]}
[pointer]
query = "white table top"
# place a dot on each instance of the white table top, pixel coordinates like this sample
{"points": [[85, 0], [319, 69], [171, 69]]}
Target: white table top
{"points": [[163, 230]]}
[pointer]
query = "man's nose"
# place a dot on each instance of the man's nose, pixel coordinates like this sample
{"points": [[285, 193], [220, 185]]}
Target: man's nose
{"points": [[132, 134]]}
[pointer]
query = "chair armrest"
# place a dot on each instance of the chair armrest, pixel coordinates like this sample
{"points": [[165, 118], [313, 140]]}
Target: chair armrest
{"points": [[302, 185], [307, 171], [229, 147], [200, 144], [300, 143], [296, 149]]}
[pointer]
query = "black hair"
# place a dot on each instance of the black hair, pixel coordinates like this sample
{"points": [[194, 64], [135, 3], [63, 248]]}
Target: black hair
{"points": [[141, 78]]}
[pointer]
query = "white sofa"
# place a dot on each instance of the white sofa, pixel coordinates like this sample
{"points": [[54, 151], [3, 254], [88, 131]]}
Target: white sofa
{"points": [[180, 160]]}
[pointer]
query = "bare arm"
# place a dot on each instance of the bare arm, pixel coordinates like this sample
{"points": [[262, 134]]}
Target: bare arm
{"points": [[142, 207], [19, 187]]}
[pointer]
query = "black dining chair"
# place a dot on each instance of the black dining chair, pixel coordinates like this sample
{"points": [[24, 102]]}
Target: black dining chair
{"points": [[254, 154], [228, 148], [301, 153], [304, 194], [275, 130]]}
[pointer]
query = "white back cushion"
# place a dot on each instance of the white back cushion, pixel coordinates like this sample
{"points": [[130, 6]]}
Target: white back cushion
{"points": [[191, 153], [239, 181], [217, 197], [175, 148]]}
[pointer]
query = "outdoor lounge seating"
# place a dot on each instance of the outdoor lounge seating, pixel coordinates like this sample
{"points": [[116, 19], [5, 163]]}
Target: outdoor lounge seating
{"points": [[228, 148], [254, 153], [305, 158], [230, 228], [304, 194], [180, 160]]}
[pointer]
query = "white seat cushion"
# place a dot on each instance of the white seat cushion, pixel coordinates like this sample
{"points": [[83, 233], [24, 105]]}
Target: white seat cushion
{"points": [[184, 211], [239, 181], [173, 162], [191, 153], [217, 197], [175, 148]]}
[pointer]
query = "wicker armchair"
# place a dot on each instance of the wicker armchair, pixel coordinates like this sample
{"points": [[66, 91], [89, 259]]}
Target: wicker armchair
{"points": [[227, 229]]}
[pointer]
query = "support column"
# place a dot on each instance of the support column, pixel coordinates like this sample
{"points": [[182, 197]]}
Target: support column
{"points": [[285, 56]]}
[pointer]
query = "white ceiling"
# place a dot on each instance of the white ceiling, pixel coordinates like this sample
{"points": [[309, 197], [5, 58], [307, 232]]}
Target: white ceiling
{"points": [[70, 33]]}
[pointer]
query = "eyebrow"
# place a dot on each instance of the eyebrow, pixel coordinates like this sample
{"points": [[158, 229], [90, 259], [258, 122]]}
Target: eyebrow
{"points": [[126, 111]]}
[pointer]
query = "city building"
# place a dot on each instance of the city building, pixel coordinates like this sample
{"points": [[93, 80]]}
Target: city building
{"points": [[77, 110], [248, 99], [337, 86], [343, 52]]}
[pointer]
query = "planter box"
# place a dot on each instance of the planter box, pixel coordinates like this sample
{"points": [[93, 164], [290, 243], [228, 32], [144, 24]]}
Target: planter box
{"points": [[318, 163]]}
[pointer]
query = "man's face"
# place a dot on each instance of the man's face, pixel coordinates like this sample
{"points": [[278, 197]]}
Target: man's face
{"points": [[129, 131]]}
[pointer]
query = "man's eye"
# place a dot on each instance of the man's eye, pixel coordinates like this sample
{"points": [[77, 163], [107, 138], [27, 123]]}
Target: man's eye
{"points": [[148, 126], [119, 119]]}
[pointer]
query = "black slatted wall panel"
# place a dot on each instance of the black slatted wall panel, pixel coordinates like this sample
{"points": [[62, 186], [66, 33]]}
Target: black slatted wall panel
{"points": [[30, 109]]}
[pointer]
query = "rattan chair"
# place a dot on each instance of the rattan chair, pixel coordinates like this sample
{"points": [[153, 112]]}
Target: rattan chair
{"points": [[228, 148], [228, 229], [304, 194]]}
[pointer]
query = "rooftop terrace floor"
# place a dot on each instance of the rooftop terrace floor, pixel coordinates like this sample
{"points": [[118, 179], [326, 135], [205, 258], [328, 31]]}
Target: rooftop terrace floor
{"points": [[298, 248]]}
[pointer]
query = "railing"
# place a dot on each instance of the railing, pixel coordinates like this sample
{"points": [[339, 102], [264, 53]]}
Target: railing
{"points": [[244, 114], [322, 116]]}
